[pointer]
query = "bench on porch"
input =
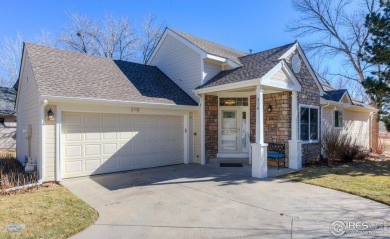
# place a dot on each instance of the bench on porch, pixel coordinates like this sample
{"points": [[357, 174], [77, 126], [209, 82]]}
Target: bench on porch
{"points": [[277, 152]]}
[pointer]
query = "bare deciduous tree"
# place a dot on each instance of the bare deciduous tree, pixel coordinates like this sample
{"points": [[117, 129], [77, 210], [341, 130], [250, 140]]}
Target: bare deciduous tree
{"points": [[112, 37], [151, 31], [335, 29], [11, 53]]}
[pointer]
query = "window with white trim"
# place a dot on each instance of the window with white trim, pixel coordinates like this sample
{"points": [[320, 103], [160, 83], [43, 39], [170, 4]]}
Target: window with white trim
{"points": [[338, 118], [308, 123]]}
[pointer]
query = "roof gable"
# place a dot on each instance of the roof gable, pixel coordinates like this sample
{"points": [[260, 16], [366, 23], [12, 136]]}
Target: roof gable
{"points": [[69, 74], [297, 47], [212, 47], [205, 48], [254, 66]]}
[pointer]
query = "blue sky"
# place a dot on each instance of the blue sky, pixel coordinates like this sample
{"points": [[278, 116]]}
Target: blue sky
{"points": [[243, 25]]}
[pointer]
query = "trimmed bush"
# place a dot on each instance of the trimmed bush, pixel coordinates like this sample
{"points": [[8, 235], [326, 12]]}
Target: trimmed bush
{"points": [[339, 148]]}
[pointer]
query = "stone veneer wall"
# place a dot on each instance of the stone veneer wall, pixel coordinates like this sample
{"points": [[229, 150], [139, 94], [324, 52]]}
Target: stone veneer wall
{"points": [[211, 124], [252, 119], [277, 123], [309, 95]]}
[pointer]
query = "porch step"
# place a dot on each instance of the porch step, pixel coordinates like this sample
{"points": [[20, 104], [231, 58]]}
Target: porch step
{"points": [[229, 160]]}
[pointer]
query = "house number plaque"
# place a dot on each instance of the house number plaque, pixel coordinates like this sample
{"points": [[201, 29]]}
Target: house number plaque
{"points": [[134, 109]]}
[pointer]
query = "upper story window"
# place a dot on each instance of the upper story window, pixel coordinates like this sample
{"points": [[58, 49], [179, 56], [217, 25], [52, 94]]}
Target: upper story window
{"points": [[309, 123], [233, 101], [338, 118]]}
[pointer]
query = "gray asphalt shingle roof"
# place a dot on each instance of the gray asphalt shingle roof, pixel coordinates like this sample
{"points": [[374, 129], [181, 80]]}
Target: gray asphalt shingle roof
{"points": [[212, 47], [253, 66], [7, 101], [334, 95], [70, 74]]}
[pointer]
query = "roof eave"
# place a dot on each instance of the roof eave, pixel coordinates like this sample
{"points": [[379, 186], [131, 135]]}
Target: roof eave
{"points": [[63, 99]]}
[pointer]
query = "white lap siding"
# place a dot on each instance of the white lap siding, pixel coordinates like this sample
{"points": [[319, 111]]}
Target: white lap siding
{"points": [[356, 125]]}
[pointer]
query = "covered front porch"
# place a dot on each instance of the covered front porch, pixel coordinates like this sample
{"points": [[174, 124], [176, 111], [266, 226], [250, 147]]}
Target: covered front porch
{"points": [[239, 121]]}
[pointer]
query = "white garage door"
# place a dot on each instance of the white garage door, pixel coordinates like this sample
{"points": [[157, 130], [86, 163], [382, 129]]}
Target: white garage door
{"points": [[103, 143]]}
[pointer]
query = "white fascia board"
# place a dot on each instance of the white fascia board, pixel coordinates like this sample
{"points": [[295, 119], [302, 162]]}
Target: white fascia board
{"points": [[265, 80], [216, 58], [21, 71], [117, 102], [289, 51], [227, 61], [232, 64], [294, 47], [331, 102], [347, 105], [231, 86]]}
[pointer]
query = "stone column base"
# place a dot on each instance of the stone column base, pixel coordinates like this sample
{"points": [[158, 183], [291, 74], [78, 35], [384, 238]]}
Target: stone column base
{"points": [[259, 160], [295, 154]]}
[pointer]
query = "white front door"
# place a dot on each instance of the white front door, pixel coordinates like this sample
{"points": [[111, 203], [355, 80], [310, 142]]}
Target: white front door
{"points": [[233, 132], [229, 131]]}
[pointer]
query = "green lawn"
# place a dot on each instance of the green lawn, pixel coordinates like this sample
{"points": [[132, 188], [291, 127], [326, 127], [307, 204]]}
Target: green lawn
{"points": [[46, 213], [369, 178]]}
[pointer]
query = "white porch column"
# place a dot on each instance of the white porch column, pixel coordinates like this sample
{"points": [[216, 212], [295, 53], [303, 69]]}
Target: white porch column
{"points": [[295, 145], [202, 130], [259, 149]]}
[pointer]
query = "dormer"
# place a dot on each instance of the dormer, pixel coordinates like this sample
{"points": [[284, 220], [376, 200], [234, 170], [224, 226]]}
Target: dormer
{"points": [[191, 61]]}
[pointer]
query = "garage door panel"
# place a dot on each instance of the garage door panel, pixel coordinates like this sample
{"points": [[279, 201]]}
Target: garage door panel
{"points": [[73, 151], [74, 166], [92, 134], [139, 147], [102, 143], [92, 164], [92, 150], [139, 121], [165, 132], [165, 121], [109, 120], [140, 159], [73, 135], [92, 120], [153, 146], [109, 163], [110, 148], [72, 120], [126, 135]]}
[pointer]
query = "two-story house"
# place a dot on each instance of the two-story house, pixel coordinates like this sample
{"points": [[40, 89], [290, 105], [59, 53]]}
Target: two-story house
{"points": [[193, 101]]}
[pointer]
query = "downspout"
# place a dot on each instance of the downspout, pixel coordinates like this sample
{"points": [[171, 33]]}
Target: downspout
{"points": [[42, 137]]}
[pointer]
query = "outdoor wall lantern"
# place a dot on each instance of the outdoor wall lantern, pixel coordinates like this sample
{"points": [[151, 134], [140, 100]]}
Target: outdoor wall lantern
{"points": [[50, 115], [269, 108]]}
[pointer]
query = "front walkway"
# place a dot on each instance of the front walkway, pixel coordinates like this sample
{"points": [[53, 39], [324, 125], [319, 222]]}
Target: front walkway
{"points": [[194, 201]]}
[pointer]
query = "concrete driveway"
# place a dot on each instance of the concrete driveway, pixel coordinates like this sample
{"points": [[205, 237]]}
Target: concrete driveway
{"points": [[193, 201]]}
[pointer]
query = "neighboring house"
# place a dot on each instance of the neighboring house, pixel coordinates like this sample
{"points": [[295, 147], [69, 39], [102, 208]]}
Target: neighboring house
{"points": [[7, 119], [194, 100], [346, 117]]}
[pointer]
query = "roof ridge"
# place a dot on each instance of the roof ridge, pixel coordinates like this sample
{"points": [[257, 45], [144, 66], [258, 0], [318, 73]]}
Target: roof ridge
{"points": [[66, 50], [228, 47], [270, 49]]}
